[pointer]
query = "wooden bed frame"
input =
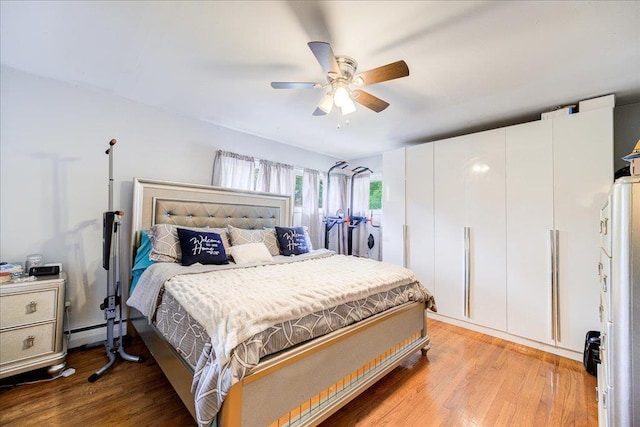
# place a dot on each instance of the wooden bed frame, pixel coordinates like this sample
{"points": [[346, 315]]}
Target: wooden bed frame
{"points": [[302, 385]]}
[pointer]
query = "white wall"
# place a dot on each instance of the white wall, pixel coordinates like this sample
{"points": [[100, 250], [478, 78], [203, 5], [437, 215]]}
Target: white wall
{"points": [[626, 132], [54, 174]]}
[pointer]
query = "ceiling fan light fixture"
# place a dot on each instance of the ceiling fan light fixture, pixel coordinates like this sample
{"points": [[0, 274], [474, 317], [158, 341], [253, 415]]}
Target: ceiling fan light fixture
{"points": [[341, 96], [326, 103], [348, 107]]}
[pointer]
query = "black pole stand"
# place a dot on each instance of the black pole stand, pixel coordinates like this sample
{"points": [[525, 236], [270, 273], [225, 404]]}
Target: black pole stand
{"points": [[354, 221], [330, 221], [111, 231]]}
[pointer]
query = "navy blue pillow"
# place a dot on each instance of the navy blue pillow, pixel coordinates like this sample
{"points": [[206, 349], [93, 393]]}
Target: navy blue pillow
{"points": [[292, 240], [202, 247]]}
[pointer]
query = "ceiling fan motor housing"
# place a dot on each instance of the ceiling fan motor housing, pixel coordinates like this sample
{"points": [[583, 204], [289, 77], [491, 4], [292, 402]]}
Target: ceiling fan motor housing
{"points": [[348, 67]]}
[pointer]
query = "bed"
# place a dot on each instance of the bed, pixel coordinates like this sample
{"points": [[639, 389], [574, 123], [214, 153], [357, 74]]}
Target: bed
{"points": [[310, 377]]}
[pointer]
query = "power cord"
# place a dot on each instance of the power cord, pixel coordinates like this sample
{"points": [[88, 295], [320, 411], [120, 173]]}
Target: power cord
{"points": [[66, 373]]}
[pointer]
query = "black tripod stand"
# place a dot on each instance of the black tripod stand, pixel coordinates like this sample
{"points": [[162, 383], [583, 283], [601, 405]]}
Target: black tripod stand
{"points": [[110, 232]]}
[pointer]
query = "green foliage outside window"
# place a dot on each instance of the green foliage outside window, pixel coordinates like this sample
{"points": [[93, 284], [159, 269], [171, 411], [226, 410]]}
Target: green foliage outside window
{"points": [[375, 195], [298, 193]]}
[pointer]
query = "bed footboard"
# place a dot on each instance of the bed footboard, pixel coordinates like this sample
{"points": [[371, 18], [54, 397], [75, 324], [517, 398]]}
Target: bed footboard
{"points": [[308, 384]]}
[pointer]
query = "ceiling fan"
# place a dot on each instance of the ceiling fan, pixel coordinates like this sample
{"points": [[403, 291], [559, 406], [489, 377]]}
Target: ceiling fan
{"points": [[343, 84]]}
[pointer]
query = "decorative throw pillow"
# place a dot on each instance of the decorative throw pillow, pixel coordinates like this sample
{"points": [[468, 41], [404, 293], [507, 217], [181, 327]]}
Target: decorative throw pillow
{"points": [[202, 247], [250, 253], [142, 260], [306, 236], [240, 236], [292, 240], [165, 246]]}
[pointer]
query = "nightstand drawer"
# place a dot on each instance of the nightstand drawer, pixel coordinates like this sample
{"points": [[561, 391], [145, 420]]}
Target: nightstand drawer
{"points": [[27, 342], [26, 308]]}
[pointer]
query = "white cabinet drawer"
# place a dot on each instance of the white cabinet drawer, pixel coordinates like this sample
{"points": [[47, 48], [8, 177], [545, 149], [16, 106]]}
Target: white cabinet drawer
{"points": [[26, 308], [27, 342], [602, 398], [605, 353]]}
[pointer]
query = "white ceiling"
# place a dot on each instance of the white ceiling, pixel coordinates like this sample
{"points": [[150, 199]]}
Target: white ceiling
{"points": [[474, 65]]}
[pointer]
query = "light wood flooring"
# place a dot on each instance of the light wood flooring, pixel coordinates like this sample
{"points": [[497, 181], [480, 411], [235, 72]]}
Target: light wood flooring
{"points": [[467, 379]]}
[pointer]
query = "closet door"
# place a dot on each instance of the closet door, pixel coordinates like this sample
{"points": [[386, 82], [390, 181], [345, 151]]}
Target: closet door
{"points": [[449, 232], [529, 216], [484, 173], [419, 212], [393, 206], [583, 174]]}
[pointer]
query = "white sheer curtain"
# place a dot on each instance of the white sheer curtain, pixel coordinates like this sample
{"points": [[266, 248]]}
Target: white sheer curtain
{"points": [[233, 170], [276, 178], [311, 215], [337, 201], [361, 187]]}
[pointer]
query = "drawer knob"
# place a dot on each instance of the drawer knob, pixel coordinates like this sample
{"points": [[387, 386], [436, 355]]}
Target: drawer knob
{"points": [[29, 342], [32, 307]]}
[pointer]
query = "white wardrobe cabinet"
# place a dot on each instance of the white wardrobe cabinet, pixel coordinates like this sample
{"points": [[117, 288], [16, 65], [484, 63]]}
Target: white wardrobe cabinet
{"points": [[393, 205], [510, 238], [419, 213], [470, 254], [529, 209], [582, 177], [558, 175]]}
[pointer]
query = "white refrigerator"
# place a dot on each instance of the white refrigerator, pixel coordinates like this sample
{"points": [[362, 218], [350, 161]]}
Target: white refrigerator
{"points": [[619, 270]]}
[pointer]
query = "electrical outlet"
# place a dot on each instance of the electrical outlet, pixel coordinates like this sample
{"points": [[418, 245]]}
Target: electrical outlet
{"points": [[67, 305]]}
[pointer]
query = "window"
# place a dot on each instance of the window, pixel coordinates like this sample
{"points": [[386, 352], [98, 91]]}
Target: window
{"points": [[297, 199], [375, 195], [298, 192]]}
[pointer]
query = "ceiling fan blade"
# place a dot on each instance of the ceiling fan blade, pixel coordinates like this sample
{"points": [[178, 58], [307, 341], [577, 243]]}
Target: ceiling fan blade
{"points": [[319, 112], [391, 71], [372, 102], [295, 85], [325, 56]]}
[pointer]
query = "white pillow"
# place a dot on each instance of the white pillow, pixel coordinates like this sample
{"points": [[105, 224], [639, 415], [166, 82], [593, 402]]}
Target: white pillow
{"points": [[250, 253]]}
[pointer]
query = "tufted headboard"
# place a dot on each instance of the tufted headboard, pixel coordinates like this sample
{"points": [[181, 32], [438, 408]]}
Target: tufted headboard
{"points": [[162, 202]]}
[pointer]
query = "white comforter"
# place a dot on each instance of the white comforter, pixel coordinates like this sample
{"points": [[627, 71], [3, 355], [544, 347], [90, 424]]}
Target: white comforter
{"points": [[233, 304]]}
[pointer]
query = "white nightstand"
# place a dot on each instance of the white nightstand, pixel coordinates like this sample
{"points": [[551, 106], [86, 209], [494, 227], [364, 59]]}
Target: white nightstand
{"points": [[31, 326]]}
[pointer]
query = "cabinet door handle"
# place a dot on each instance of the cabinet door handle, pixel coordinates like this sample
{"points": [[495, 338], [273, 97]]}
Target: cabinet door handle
{"points": [[467, 271], [29, 342], [32, 307], [552, 264], [557, 282], [405, 240]]}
